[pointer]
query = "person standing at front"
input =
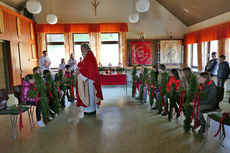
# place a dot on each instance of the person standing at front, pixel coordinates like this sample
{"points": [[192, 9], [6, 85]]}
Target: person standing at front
{"points": [[89, 87]]}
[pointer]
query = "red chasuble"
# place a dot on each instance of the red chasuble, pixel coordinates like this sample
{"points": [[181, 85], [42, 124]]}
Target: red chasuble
{"points": [[89, 69]]}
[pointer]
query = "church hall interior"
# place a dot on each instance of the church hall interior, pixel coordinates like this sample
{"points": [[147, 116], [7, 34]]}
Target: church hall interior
{"points": [[114, 76]]}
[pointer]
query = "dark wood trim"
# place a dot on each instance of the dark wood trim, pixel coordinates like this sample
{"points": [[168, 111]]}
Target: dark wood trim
{"points": [[10, 66], [110, 42], [55, 43]]}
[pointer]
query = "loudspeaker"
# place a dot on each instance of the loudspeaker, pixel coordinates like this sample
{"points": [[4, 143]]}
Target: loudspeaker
{"points": [[28, 14]]}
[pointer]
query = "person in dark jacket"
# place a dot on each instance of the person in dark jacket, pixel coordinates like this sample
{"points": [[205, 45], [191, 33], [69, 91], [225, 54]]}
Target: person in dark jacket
{"points": [[28, 84], [208, 101], [223, 71], [212, 65]]}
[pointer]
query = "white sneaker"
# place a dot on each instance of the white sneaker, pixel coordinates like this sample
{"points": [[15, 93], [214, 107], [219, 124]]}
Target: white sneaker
{"points": [[51, 118], [40, 123]]}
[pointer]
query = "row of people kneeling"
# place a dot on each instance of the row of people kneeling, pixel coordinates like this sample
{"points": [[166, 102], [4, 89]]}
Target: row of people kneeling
{"points": [[168, 92]]}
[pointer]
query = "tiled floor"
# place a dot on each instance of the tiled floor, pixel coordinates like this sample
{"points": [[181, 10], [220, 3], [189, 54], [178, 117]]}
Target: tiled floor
{"points": [[121, 126]]}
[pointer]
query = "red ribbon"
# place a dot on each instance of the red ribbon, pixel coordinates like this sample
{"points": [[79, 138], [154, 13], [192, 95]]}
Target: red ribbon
{"points": [[225, 115], [59, 91], [195, 106], [134, 85], [153, 90], [50, 94], [20, 120], [36, 96], [72, 92], [182, 95], [161, 96]]}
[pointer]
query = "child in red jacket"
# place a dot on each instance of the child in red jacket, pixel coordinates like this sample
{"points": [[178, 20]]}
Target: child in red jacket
{"points": [[174, 78]]}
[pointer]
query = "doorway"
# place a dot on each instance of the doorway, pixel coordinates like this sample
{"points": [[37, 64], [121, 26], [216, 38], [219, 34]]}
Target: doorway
{"points": [[4, 68]]}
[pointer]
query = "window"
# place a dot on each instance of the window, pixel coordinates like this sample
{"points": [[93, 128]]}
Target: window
{"points": [[208, 48], [194, 61], [55, 48], [110, 49], [213, 48], [78, 40]]}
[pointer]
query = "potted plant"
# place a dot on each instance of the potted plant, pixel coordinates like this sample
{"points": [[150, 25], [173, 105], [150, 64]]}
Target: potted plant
{"points": [[101, 70], [120, 70]]}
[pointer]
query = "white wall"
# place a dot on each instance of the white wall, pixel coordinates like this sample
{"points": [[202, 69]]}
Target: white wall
{"points": [[210, 22], [156, 23]]}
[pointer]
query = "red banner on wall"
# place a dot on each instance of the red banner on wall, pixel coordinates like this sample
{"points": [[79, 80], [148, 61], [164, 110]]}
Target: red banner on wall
{"points": [[141, 52]]}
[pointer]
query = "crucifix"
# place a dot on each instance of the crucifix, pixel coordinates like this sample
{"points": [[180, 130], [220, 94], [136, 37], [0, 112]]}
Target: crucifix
{"points": [[95, 4]]}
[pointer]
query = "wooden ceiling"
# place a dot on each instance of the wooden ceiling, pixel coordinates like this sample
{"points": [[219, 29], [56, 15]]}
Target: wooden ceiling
{"points": [[188, 11], [194, 11]]}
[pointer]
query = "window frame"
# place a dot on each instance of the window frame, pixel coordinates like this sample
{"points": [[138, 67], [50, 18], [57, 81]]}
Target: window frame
{"points": [[54, 43], [192, 47], [79, 42], [113, 42]]}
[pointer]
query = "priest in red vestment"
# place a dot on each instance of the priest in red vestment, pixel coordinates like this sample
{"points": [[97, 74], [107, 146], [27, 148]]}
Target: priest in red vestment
{"points": [[89, 87]]}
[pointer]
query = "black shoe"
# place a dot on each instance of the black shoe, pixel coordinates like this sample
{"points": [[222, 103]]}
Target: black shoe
{"points": [[201, 130], [164, 113], [90, 113], [137, 98], [154, 108]]}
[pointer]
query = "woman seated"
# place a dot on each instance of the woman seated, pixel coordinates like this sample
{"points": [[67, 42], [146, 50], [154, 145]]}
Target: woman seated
{"points": [[208, 101], [174, 78], [28, 84]]}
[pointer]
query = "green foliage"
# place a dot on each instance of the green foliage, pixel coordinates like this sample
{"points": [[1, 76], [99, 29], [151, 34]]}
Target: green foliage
{"points": [[188, 113], [162, 83], [32, 93], [151, 89], [61, 83], [172, 97], [120, 69], [55, 102], [101, 68], [134, 74], [41, 87], [190, 94], [71, 81], [143, 81]]}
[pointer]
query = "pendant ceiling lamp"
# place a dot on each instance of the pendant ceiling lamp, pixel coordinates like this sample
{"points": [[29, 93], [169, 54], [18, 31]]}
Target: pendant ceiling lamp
{"points": [[51, 18], [33, 6], [134, 17], [142, 5]]}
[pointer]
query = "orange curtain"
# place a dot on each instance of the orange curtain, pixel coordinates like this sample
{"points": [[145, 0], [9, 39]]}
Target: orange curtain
{"points": [[41, 43], [68, 45], [82, 28], [123, 49], [95, 44], [199, 56], [217, 32]]}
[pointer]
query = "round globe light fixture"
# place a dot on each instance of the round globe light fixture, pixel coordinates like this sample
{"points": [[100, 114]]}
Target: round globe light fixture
{"points": [[51, 19], [142, 5], [134, 18], [33, 6]]}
